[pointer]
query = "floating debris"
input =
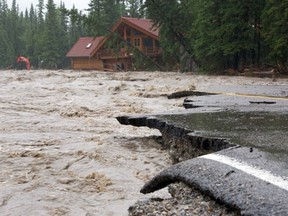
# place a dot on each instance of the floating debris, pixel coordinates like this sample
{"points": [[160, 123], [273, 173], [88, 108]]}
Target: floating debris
{"points": [[262, 102]]}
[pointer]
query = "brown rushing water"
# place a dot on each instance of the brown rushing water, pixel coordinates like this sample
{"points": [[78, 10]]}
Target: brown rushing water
{"points": [[62, 152]]}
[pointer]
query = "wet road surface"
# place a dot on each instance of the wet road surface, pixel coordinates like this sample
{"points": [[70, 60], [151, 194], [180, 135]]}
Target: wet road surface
{"points": [[251, 174]]}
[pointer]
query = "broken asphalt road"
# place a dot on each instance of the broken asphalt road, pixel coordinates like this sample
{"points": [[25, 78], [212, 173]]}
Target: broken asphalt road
{"points": [[250, 172]]}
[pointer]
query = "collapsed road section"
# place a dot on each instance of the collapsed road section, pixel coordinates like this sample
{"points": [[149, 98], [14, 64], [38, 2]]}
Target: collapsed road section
{"points": [[238, 158], [181, 143]]}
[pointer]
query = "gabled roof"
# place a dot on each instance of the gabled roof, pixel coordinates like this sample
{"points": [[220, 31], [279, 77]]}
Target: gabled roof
{"points": [[145, 26], [84, 47]]}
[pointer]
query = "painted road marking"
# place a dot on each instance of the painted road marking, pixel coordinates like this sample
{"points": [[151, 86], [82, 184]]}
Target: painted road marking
{"points": [[250, 95], [264, 175]]}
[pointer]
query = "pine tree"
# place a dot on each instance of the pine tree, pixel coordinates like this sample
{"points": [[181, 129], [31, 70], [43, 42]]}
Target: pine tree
{"points": [[27, 37], [102, 15], [275, 31], [226, 33], [4, 46], [63, 36], [41, 7], [95, 20], [39, 35], [11, 28], [133, 8], [76, 25], [6, 52], [170, 16], [51, 44], [110, 13]]}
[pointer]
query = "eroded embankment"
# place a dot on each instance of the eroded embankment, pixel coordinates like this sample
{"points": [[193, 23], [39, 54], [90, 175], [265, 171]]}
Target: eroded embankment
{"points": [[181, 143]]}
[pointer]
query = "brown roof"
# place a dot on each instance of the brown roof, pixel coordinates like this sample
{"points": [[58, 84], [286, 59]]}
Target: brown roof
{"points": [[144, 25], [84, 47]]}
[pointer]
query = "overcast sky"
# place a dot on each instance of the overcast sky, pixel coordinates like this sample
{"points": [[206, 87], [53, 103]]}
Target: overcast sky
{"points": [[23, 4]]}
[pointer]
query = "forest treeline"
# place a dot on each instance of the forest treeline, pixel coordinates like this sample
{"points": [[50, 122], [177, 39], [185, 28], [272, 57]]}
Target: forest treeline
{"points": [[212, 35], [45, 32]]}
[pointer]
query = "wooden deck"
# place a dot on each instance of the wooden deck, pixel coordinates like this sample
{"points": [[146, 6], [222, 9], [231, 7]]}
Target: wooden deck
{"points": [[110, 53]]}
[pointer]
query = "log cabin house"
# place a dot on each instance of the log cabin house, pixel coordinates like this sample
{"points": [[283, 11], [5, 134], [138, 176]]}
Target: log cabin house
{"points": [[81, 54], [115, 51]]}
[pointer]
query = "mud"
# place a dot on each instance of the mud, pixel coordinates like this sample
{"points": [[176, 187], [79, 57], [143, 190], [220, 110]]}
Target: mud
{"points": [[62, 151]]}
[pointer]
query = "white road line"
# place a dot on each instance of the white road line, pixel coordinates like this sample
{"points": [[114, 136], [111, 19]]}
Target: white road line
{"points": [[264, 175]]}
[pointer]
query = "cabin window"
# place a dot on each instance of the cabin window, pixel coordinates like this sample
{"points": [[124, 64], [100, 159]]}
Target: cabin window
{"points": [[148, 42], [136, 32], [137, 42]]}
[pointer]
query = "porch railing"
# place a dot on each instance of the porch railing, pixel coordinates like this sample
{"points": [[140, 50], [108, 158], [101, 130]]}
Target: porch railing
{"points": [[110, 53]]}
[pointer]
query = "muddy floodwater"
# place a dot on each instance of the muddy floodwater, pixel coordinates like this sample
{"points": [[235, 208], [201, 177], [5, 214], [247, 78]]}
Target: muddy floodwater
{"points": [[62, 151]]}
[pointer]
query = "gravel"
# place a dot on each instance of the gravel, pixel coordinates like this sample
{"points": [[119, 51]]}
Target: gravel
{"points": [[185, 201]]}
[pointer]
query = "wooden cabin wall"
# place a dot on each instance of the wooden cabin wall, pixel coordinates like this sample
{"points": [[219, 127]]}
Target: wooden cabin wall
{"points": [[122, 64], [87, 64], [138, 39]]}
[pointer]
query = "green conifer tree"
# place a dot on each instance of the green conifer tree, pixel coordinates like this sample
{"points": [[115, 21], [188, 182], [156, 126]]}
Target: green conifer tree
{"points": [[50, 55], [275, 31]]}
